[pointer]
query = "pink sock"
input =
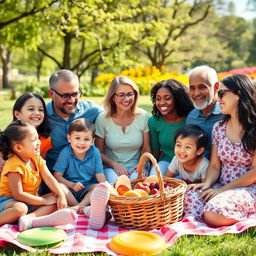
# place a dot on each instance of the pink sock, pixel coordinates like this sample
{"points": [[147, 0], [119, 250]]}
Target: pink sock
{"points": [[99, 200], [60, 217]]}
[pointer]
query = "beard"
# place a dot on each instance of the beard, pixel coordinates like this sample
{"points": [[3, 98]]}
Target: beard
{"points": [[208, 100], [203, 105], [68, 111]]}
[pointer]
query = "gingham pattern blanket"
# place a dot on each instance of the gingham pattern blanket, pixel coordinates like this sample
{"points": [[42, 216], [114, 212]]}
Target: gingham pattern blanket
{"points": [[83, 239]]}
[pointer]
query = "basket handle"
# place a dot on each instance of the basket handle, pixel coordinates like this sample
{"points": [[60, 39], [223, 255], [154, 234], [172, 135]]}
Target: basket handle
{"points": [[140, 168]]}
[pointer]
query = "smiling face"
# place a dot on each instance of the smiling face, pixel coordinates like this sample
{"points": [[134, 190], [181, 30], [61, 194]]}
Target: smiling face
{"points": [[80, 142], [228, 102], [29, 146], [65, 107], [124, 97], [201, 92], [186, 149], [32, 112], [165, 101]]}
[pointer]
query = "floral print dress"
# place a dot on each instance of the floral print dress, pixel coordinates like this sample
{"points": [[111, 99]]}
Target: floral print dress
{"points": [[238, 203]]}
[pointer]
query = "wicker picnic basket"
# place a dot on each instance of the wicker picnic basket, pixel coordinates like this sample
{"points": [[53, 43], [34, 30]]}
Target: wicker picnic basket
{"points": [[153, 211]]}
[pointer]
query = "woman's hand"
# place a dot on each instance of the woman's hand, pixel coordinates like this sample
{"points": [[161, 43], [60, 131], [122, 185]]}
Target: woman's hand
{"points": [[210, 193], [120, 170]]}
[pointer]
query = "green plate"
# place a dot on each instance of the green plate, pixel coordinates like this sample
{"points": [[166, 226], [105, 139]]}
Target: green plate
{"points": [[48, 246], [45, 236]]}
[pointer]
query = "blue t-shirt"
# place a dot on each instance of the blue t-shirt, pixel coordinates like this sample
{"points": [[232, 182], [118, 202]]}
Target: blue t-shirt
{"points": [[76, 170], [197, 117], [59, 126]]}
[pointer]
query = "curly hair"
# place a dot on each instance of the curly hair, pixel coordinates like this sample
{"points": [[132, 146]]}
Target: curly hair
{"points": [[245, 88], [182, 102]]}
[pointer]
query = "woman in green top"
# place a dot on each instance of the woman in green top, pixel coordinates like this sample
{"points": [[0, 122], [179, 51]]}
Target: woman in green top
{"points": [[171, 105]]}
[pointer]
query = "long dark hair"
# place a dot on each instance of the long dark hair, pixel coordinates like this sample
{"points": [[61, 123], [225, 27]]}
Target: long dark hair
{"points": [[43, 129], [15, 132], [183, 104], [246, 89]]}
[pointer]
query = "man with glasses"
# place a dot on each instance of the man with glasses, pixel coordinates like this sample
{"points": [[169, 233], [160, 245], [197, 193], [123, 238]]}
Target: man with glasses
{"points": [[64, 108], [203, 87]]}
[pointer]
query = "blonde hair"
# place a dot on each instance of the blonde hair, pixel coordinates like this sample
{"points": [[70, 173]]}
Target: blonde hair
{"points": [[108, 103]]}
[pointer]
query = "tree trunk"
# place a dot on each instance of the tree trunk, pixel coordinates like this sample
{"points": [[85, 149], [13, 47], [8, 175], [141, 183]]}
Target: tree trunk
{"points": [[5, 55], [67, 48], [39, 66], [94, 74]]}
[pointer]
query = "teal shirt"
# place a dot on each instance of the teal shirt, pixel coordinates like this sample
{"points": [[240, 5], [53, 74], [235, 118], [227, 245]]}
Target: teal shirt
{"points": [[162, 136]]}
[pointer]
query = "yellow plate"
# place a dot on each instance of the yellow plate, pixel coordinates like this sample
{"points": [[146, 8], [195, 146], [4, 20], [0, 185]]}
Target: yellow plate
{"points": [[133, 243]]}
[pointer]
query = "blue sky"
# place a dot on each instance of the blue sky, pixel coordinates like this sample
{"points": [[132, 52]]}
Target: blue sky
{"points": [[242, 11]]}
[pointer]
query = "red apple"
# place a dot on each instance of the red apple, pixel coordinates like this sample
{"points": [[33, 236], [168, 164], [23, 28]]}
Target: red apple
{"points": [[154, 191], [157, 185], [123, 188], [165, 184], [145, 184], [152, 185], [140, 185]]}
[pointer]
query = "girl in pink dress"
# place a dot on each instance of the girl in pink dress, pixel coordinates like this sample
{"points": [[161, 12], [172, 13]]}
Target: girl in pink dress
{"points": [[228, 194]]}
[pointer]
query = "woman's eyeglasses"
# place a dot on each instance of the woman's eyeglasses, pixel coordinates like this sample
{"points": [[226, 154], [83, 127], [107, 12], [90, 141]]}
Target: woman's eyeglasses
{"points": [[122, 95], [67, 96], [222, 92]]}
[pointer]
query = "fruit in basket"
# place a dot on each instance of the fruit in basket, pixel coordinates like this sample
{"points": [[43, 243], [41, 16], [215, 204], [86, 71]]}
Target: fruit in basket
{"points": [[154, 191], [151, 179], [143, 186], [133, 193], [123, 188], [142, 192], [123, 179], [152, 185]]}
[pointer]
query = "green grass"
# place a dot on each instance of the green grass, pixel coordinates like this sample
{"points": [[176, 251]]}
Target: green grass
{"points": [[226, 245]]}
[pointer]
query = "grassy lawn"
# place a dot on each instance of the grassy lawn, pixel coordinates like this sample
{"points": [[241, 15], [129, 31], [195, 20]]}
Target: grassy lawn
{"points": [[225, 245]]}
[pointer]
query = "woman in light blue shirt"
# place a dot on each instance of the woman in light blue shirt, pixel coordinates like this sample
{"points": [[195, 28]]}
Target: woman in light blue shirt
{"points": [[122, 133]]}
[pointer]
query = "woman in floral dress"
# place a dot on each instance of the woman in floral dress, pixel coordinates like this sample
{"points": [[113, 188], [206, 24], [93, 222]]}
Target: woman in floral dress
{"points": [[229, 193]]}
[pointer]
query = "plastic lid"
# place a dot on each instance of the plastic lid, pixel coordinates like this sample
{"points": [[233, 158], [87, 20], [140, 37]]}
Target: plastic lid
{"points": [[137, 243], [42, 236]]}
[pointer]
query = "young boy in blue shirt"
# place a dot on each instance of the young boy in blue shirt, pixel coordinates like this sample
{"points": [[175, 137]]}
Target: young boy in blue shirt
{"points": [[79, 165]]}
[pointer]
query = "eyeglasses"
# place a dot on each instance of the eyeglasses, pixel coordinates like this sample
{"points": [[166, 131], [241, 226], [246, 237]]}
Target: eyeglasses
{"points": [[222, 92], [122, 95], [67, 96]]}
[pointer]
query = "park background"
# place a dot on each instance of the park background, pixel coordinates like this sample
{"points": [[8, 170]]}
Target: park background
{"points": [[147, 40]]}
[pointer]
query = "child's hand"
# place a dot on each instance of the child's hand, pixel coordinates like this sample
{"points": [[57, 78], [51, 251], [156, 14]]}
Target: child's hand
{"points": [[77, 186], [62, 202], [50, 199], [202, 186]]}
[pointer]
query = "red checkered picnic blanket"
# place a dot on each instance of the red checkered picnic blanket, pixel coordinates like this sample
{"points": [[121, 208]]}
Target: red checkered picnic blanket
{"points": [[83, 239]]}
